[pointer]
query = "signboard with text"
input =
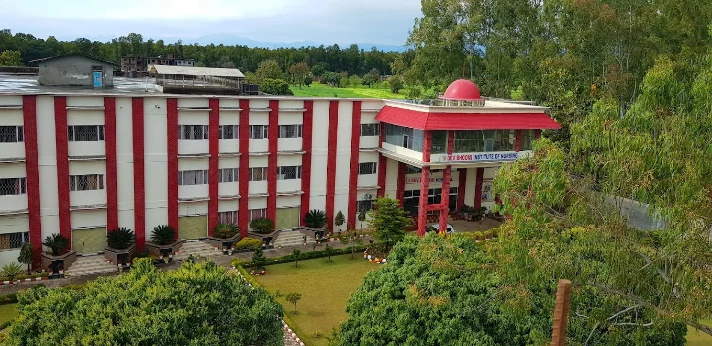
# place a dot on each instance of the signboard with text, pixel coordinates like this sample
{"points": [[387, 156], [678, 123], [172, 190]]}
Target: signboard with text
{"points": [[416, 180], [483, 157]]}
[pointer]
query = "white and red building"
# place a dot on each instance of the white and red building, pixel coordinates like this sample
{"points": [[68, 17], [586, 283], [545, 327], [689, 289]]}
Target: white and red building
{"points": [[82, 164]]}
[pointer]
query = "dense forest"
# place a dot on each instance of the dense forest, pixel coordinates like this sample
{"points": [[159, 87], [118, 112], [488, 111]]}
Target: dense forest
{"points": [[351, 60]]}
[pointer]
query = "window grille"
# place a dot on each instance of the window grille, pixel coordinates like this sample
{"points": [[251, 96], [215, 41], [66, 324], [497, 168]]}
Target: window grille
{"points": [[367, 168], [11, 134], [86, 182], [196, 177], [229, 132], [227, 217], [289, 172], [85, 133], [365, 205], [257, 214], [13, 240], [290, 131], [370, 130], [193, 132], [259, 131], [258, 173], [12, 186], [228, 175]]}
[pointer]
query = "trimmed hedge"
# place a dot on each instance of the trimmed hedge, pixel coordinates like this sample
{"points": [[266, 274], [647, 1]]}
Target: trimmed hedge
{"points": [[248, 243], [303, 256], [25, 276], [10, 298]]}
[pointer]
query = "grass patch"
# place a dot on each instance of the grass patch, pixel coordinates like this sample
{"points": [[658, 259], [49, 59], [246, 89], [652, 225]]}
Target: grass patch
{"points": [[325, 288], [697, 338], [324, 90], [8, 312]]}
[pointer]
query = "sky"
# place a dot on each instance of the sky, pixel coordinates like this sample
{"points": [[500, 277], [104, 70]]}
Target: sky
{"points": [[321, 21]]}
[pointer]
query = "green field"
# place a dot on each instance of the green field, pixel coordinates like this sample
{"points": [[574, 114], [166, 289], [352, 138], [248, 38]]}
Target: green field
{"points": [[323, 90], [8, 312], [325, 289], [696, 338]]}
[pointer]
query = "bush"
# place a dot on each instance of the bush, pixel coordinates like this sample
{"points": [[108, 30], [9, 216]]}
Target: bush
{"points": [[11, 270], [302, 256], [163, 235], [478, 235], [262, 225], [57, 244], [275, 87], [487, 234], [225, 231], [248, 243], [120, 238], [315, 218]]}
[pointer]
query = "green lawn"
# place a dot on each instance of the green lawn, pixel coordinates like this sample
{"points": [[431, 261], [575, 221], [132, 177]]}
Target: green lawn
{"points": [[324, 90], [325, 289], [8, 312], [696, 338]]}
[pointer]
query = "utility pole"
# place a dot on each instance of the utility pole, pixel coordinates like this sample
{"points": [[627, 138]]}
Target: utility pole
{"points": [[561, 313]]}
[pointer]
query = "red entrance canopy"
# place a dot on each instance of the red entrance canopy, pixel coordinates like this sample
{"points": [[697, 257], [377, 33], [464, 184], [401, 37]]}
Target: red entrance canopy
{"points": [[465, 121]]}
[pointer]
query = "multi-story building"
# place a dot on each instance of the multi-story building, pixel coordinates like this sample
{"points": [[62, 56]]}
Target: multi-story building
{"points": [[79, 164], [139, 65]]}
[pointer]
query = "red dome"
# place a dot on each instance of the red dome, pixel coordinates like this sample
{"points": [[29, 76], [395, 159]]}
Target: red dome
{"points": [[462, 90]]}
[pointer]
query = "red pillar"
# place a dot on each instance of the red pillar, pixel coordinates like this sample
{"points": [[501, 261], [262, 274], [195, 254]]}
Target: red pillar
{"points": [[423, 201], [462, 172], [213, 163], [518, 140], [172, 153], [273, 140], [244, 178], [138, 172], [353, 174], [478, 188], [112, 192], [537, 134], [382, 163], [307, 128], [29, 115], [400, 183], [331, 162], [445, 191], [62, 147]]}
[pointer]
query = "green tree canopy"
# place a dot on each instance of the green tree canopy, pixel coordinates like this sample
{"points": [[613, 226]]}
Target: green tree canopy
{"points": [[11, 58], [388, 220], [275, 87], [269, 69], [197, 304]]}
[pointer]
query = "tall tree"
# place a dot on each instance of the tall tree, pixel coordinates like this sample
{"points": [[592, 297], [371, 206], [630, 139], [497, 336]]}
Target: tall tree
{"points": [[269, 69], [299, 72], [388, 220]]}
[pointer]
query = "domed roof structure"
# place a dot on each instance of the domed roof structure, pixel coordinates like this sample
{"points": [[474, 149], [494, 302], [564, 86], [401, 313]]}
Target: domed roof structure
{"points": [[462, 90]]}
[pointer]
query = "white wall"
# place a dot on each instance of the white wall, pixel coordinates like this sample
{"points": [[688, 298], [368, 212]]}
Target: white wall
{"points": [[156, 164], [124, 162], [343, 160], [320, 139], [47, 158]]}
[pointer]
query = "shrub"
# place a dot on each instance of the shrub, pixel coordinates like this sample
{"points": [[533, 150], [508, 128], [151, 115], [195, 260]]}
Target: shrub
{"points": [[248, 243], [26, 254], [315, 218], [262, 225], [339, 220], [478, 235], [275, 87], [258, 258], [57, 244], [120, 238], [163, 235], [487, 234], [225, 231], [11, 270]]}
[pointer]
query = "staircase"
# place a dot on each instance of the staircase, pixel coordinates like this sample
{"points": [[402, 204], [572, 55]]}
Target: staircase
{"points": [[89, 265], [197, 249], [292, 238]]}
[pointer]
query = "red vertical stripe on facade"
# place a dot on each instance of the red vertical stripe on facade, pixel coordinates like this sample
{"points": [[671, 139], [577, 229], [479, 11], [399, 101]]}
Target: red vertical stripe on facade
{"points": [[29, 114], [138, 172], [273, 142], [461, 187], [112, 192], [537, 134], [478, 188], [172, 153], [213, 163], [331, 161], [353, 175], [447, 175], [62, 147], [382, 163], [244, 178], [518, 140], [400, 183], [423, 201], [307, 128]]}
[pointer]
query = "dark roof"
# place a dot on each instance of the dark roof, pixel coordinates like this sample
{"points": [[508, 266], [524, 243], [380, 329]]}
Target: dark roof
{"points": [[70, 55]]}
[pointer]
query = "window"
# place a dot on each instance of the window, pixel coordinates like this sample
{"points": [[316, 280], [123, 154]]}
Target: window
{"points": [[258, 131], [412, 169], [198, 177], [86, 182], [11, 134], [227, 175], [367, 168], [527, 139], [257, 214], [438, 142], [229, 132], [365, 204], [13, 240], [482, 141], [85, 133], [193, 132], [227, 217], [289, 172], [258, 173], [290, 131], [405, 137], [13, 186], [370, 130]]}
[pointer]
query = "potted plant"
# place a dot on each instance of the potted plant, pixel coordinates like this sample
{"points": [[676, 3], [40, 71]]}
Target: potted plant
{"points": [[339, 220], [121, 246], [26, 255], [224, 237], [57, 259], [315, 218], [11, 271], [263, 229], [163, 243]]}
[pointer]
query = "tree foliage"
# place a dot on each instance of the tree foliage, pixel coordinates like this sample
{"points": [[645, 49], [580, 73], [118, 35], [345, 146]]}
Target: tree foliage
{"points": [[197, 304], [120, 238], [262, 225], [56, 243], [298, 73], [315, 218], [26, 255], [339, 220], [388, 220], [163, 234], [11, 58], [275, 87], [293, 297]]}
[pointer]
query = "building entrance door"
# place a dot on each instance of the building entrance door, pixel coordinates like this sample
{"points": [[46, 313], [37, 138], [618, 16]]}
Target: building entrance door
{"points": [[287, 218], [89, 240], [193, 227]]}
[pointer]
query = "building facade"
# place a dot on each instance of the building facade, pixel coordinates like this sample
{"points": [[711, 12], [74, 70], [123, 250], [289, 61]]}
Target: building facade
{"points": [[139, 65], [75, 70], [82, 164]]}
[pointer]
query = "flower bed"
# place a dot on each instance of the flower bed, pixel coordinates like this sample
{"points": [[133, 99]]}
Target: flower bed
{"points": [[24, 278]]}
